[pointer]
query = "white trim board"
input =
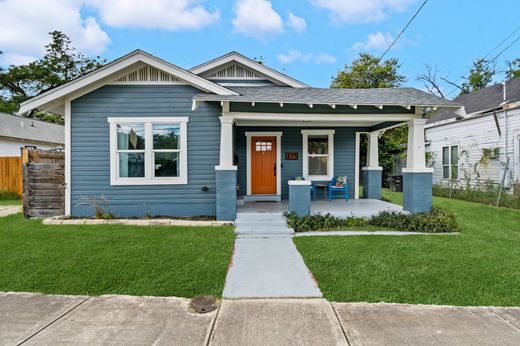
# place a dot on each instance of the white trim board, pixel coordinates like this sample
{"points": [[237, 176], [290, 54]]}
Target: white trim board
{"points": [[357, 164], [278, 135], [330, 162], [68, 157], [149, 179], [110, 69]]}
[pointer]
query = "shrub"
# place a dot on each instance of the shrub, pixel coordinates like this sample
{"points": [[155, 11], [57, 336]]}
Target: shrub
{"points": [[436, 221], [319, 222], [8, 195]]}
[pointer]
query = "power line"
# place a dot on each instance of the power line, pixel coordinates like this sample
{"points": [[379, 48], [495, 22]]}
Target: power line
{"points": [[402, 31], [489, 53]]}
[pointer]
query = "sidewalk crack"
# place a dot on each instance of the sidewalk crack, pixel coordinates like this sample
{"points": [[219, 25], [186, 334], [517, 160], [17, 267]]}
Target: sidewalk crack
{"points": [[214, 322], [340, 325], [54, 321], [507, 320]]}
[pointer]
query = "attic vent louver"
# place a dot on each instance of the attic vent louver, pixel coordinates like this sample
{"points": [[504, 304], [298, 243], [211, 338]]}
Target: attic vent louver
{"points": [[147, 74]]}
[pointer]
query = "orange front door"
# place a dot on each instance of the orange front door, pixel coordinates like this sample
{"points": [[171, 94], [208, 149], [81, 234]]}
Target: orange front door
{"points": [[263, 165]]}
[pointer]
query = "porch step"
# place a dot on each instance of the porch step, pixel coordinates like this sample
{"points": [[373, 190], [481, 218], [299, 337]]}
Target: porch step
{"points": [[265, 224], [263, 198]]}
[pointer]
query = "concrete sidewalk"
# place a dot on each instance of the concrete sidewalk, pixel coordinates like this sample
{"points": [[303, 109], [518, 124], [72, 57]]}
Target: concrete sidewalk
{"points": [[6, 210], [266, 263], [36, 319]]}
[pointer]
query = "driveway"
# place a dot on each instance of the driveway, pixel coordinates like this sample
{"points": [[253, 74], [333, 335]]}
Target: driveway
{"points": [[35, 319]]}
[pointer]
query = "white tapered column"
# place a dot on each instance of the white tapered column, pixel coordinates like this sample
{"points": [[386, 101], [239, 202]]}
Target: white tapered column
{"points": [[372, 173], [226, 143]]}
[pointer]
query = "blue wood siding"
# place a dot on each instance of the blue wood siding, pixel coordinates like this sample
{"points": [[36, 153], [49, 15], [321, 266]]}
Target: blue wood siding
{"points": [[91, 158], [292, 141]]}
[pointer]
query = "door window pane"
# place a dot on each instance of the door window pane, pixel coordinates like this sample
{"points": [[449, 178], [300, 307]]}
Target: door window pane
{"points": [[130, 137], [318, 145], [131, 165], [264, 145], [318, 165], [167, 164], [166, 136]]}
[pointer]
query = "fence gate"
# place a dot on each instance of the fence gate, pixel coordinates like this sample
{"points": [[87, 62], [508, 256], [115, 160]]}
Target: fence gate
{"points": [[11, 175], [43, 183]]}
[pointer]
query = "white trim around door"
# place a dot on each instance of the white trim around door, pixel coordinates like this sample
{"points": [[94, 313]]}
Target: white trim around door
{"points": [[278, 136], [356, 164]]}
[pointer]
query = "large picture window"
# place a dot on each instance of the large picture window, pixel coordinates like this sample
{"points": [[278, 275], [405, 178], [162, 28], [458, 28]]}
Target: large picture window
{"points": [[450, 162], [318, 154], [148, 150]]}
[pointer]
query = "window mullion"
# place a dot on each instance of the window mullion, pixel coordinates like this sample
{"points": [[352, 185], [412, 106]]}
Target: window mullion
{"points": [[148, 156]]}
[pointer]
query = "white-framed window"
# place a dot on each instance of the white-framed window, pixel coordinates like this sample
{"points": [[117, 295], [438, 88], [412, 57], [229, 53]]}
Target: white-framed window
{"points": [[450, 162], [148, 150], [318, 154]]}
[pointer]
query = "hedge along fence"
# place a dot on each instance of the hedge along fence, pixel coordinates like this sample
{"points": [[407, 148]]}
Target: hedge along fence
{"points": [[11, 175], [485, 194]]}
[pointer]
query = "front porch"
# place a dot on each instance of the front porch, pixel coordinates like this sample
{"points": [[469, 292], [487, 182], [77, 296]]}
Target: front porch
{"points": [[337, 207]]}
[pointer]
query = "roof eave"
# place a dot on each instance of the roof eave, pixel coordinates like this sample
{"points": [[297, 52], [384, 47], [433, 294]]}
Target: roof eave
{"points": [[115, 66]]}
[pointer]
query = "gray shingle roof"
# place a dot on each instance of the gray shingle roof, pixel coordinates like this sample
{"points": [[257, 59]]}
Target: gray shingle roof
{"points": [[482, 100], [29, 129], [382, 96]]}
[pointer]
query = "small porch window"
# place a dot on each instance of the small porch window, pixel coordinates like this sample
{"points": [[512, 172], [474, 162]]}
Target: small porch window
{"points": [[318, 154], [146, 151], [450, 162]]}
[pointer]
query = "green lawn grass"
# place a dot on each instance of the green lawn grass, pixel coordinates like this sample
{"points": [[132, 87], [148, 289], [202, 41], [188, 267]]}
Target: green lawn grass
{"points": [[481, 266], [10, 202], [113, 259]]}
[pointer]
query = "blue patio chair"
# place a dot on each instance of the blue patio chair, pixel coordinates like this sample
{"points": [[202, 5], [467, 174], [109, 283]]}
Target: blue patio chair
{"points": [[338, 188]]}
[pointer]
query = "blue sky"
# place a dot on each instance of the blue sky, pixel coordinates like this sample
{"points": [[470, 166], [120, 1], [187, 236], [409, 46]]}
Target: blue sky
{"points": [[307, 39]]}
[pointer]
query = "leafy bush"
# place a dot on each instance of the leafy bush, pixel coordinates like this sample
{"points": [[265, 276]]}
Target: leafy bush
{"points": [[486, 195], [8, 195], [319, 222], [436, 221]]}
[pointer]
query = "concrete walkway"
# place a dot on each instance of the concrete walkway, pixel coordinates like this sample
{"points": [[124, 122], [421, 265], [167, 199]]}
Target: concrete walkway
{"points": [[6, 210], [266, 263], [35, 319]]}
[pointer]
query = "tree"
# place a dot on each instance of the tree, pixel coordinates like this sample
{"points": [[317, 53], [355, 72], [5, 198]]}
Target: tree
{"points": [[513, 68], [480, 76], [60, 64], [367, 71], [431, 81]]}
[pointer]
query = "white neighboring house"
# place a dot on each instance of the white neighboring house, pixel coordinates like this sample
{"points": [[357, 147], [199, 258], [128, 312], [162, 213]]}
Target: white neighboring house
{"points": [[18, 132], [485, 138]]}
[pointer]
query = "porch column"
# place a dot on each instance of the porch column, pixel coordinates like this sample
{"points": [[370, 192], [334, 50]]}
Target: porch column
{"points": [[372, 174], [417, 178], [226, 174]]}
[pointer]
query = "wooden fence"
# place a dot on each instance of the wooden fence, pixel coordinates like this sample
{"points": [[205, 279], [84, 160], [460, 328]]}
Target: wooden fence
{"points": [[11, 175], [43, 183]]}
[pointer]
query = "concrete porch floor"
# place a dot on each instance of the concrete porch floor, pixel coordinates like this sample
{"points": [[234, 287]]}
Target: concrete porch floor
{"points": [[336, 207]]}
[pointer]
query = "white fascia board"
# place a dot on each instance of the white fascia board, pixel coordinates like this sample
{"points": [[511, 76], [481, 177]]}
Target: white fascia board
{"points": [[269, 72], [116, 66], [320, 117]]}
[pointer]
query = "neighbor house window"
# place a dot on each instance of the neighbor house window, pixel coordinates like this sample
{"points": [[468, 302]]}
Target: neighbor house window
{"points": [[148, 150], [450, 162], [318, 154]]}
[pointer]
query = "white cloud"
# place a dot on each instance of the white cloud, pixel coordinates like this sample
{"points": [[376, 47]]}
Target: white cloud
{"points": [[26, 25], [296, 23], [295, 55], [365, 11], [155, 14], [256, 18], [375, 41]]}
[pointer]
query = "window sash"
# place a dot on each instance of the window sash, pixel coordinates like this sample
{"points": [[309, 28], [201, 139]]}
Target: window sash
{"points": [[149, 152], [326, 136], [450, 162]]}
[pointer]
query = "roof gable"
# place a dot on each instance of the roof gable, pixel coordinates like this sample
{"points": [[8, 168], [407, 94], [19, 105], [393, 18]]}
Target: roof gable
{"points": [[238, 67], [126, 65]]}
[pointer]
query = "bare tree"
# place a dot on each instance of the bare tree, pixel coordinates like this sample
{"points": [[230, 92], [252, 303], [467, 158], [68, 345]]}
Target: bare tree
{"points": [[431, 80]]}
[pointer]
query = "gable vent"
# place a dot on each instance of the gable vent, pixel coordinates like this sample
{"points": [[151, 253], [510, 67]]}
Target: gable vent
{"points": [[234, 71], [147, 74]]}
